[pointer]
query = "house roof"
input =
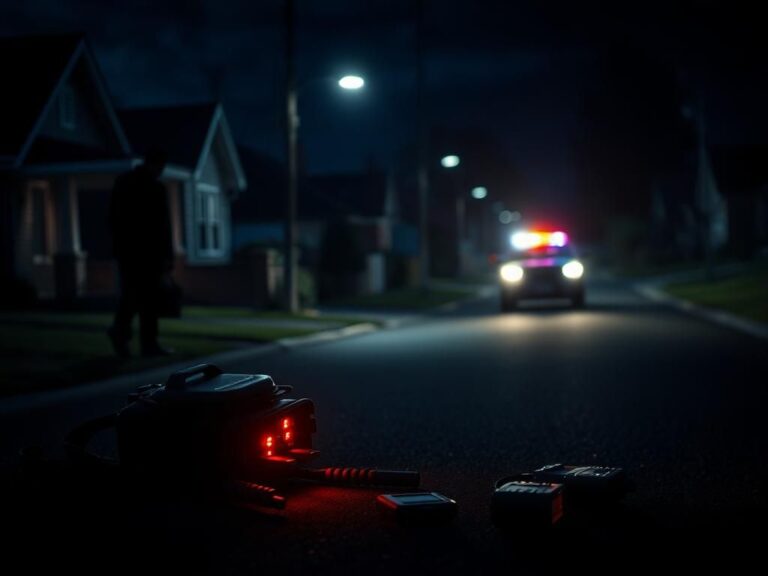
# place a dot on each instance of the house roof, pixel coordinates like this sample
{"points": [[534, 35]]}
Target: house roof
{"points": [[180, 131], [32, 68], [325, 197], [184, 132]]}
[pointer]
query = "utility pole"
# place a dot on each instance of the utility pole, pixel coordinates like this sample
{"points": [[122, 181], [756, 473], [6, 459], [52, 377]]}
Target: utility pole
{"points": [[423, 154], [706, 201], [290, 257]]}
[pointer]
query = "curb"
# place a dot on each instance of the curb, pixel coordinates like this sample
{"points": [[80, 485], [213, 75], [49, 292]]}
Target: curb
{"points": [[726, 319], [481, 294], [328, 335]]}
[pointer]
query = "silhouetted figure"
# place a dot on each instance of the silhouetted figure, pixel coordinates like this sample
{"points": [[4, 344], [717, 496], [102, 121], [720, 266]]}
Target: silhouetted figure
{"points": [[140, 222]]}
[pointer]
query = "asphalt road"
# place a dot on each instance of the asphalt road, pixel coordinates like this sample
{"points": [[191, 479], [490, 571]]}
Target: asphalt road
{"points": [[465, 398]]}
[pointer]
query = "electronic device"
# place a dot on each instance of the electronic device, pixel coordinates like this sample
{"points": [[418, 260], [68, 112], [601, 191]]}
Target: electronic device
{"points": [[205, 424], [238, 433], [519, 502], [585, 482], [417, 507]]}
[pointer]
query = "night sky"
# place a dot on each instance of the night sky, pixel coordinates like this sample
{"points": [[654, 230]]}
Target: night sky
{"points": [[518, 70]]}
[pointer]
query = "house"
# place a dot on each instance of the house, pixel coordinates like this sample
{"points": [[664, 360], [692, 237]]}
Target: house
{"points": [[203, 178], [62, 144], [357, 212]]}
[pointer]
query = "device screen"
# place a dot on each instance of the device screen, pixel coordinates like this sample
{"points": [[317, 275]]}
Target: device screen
{"points": [[417, 499]]}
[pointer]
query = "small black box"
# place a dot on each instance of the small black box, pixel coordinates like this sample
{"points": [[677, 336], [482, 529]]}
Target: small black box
{"points": [[523, 503], [593, 483], [418, 507]]}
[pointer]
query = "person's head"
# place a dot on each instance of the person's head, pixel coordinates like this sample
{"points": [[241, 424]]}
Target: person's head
{"points": [[154, 161]]}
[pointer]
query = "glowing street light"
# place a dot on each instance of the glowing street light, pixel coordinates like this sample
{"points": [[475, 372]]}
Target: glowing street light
{"points": [[351, 82], [291, 249], [450, 161], [479, 192]]}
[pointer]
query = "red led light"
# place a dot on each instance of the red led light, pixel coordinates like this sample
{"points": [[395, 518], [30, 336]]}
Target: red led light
{"points": [[277, 441], [268, 443]]}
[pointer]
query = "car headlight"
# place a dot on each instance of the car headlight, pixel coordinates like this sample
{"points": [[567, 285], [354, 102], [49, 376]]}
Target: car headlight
{"points": [[573, 270], [511, 273]]}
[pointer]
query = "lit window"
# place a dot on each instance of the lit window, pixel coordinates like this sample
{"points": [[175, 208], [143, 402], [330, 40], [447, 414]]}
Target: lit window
{"points": [[209, 221]]}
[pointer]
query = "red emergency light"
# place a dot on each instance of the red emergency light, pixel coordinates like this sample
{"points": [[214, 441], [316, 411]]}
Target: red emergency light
{"points": [[531, 240]]}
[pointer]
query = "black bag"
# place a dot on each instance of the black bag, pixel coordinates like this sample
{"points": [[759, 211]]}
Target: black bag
{"points": [[169, 298]]}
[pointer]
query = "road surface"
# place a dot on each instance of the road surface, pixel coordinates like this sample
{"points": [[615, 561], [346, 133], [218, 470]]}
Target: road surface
{"points": [[466, 398]]}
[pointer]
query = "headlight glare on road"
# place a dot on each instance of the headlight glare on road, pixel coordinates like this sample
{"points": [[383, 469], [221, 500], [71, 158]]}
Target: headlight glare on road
{"points": [[573, 270], [511, 273]]}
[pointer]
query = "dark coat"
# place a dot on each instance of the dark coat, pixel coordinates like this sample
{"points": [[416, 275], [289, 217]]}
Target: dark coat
{"points": [[140, 222]]}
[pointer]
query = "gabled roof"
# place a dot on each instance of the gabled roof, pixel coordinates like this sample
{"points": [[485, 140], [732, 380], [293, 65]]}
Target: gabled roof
{"points": [[323, 197], [180, 131], [184, 132], [33, 70]]}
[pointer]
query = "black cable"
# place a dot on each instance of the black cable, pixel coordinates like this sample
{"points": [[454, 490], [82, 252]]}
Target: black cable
{"points": [[363, 477]]}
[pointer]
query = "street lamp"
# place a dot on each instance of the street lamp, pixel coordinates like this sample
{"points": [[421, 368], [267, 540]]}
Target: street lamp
{"points": [[450, 161], [479, 192], [290, 264], [351, 82]]}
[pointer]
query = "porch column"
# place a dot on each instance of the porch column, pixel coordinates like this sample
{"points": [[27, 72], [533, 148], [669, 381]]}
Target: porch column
{"points": [[69, 261]]}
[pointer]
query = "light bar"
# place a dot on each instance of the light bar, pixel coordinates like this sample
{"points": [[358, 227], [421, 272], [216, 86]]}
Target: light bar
{"points": [[529, 240]]}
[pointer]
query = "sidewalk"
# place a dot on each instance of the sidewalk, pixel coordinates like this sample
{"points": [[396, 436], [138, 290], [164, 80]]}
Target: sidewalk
{"points": [[66, 355], [656, 289], [47, 349]]}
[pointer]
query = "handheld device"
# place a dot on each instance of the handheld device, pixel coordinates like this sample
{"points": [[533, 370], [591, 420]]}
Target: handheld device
{"points": [[585, 482], [519, 502], [418, 507]]}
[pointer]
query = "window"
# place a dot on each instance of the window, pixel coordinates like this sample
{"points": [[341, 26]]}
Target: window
{"points": [[67, 108], [209, 221]]}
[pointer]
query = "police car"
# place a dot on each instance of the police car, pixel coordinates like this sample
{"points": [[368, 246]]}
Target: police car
{"points": [[542, 265]]}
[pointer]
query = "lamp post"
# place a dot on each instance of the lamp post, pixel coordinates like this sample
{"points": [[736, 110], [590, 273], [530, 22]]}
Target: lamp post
{"points": [[451, 162], [290, 256], [290, 285]]}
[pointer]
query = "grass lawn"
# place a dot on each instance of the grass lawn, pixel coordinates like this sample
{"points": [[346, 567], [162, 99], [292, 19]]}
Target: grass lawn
{"points": [[405, 299], [632, 271], [53, 349], [745, 295]]}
